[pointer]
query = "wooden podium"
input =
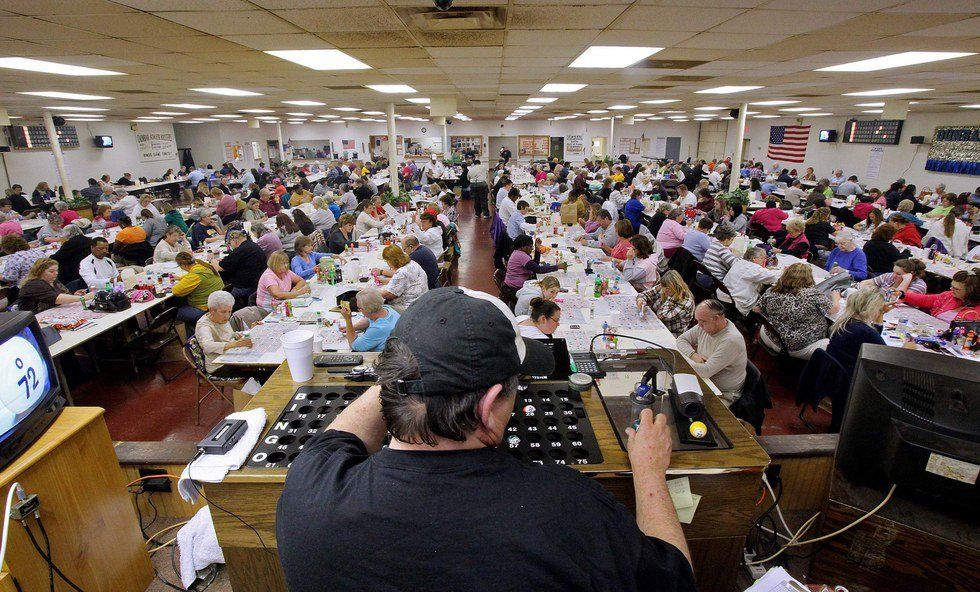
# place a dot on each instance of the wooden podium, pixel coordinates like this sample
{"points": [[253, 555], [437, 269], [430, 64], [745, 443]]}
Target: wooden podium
{"points": [[88, 515], [729, 481]]}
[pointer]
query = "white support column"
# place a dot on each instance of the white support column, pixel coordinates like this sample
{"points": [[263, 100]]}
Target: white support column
{"points": [[282, 147], [445, 138], [59, 158], [612, 131], [733, 180], [392, 151]]}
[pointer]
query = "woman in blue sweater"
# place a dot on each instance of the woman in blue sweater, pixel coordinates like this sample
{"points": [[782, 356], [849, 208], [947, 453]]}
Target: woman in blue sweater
{"points": [[859, 324], [633, 210], [305, 258], [847, 257]]}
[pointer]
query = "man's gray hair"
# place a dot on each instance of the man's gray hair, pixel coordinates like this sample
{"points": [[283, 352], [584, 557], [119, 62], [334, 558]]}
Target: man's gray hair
{"points": [[725, 231], [753, 253], [410, 241], [60, 205], [370, 300], [220, 299], [714, 306]]}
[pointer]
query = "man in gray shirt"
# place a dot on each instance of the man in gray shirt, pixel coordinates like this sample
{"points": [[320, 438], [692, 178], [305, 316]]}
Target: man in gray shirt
{"points": [[605, 236], [716, 349], [794, 194], [849, 187], [347, 201]]}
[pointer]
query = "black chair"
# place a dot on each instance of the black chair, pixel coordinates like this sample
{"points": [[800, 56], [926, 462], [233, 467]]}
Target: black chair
{"points": [[780, 354], [133, 254], [683, 262], [700, 292], [823, 377], [150, 343], [751, 405]]}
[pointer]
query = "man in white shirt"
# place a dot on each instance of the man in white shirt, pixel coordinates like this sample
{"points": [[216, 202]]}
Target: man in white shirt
{"points": [[508, 205], [502, 193], [479, 189], [245, 180], [745, 279], [98, 268], [714, 177], [127, 203], [685, 198], [837, 178], [196, 176]]}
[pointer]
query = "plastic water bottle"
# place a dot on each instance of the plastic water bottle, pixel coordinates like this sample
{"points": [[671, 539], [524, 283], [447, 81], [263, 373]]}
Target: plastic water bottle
{"points": [[902, 330]]}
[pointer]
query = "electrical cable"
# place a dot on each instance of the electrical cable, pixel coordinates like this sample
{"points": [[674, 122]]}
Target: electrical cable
{"points": [[166, 529], [47, 558], [673, 356], [779, 512], [6, 519], [145, 477], [166, 544], [795, 542]]}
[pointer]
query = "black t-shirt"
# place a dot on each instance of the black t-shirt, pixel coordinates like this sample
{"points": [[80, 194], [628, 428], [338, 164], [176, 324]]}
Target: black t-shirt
{"points": [[38, 295], [244, 266], [427, 261], [363, 192], [19, 203], [468, 521], [819, 233]]}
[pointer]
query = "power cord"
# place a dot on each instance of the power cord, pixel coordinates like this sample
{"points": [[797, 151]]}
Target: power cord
{"points": [[52, 567], [673, 356]]}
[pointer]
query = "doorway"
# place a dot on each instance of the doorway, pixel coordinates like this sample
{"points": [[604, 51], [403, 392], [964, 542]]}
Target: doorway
{"points": [[495, 143], [599, 147], [673, 151], [557, 147]]}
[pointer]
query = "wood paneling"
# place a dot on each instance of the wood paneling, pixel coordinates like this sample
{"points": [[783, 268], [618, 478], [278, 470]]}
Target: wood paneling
{"points": [[881, 554], [87, 513]]}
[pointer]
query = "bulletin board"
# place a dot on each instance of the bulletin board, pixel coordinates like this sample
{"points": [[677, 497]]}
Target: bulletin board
{"points": [[575, 144], [533, 146], [464, 143], [629, 146], [379, 145], [233, 152]]}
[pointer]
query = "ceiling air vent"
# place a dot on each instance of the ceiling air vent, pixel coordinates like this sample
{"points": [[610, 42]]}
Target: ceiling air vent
{"points": [[135, 91], [470, 18], [668, 64], [651, 86], [344, 87]]}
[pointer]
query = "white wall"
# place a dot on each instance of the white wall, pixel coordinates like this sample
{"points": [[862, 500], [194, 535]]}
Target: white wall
{"points": [[30, 167], [904, 160], [207, 140]]}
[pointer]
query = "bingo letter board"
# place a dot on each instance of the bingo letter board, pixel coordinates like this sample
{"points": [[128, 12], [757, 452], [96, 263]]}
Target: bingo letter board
{"points": [[875, 131], [549, 426]]}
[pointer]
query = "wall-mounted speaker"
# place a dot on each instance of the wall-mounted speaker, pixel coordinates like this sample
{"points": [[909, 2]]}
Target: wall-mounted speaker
{"points": [[917, 140], [58, 121], [733, 113]]}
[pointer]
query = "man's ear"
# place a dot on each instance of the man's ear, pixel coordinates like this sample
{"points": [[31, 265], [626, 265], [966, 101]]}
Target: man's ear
{"points": [[489, 411]]}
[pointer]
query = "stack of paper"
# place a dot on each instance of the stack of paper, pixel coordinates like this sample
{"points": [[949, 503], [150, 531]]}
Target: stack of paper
{"points": [[777, 580], [685, 502]]}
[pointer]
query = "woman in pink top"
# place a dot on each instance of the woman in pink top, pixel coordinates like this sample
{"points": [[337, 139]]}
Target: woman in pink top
{"points": [[624, 230], [10, 226], [672, 231], [961, 302], [770, 217], [279, 283], [640, 266], [67, 214], [227, 205]]}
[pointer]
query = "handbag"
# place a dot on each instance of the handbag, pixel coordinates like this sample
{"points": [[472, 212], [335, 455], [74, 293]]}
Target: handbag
{"points": [[110, 301]]}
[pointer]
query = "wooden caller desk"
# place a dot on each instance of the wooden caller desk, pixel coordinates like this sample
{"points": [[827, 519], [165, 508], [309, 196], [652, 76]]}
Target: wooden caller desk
{"points": [[729, 481]]}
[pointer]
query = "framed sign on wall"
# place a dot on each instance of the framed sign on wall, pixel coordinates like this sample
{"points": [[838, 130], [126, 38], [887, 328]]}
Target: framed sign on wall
{"points": [[156, 146], [955, 149], [533, 146]]}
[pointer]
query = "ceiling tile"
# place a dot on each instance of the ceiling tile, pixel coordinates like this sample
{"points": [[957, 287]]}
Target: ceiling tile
{"points": [[962, 28], [730, 40], [327, 20], [130, 25], [783, 21], [48, 7], [967, 6], [655, 19], [281, 41], [242, 22], [186, 5], [353, 39], [563, 16]]}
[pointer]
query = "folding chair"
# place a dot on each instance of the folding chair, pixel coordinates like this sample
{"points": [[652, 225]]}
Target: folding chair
{"points": [[194, 355], [152, 341]]}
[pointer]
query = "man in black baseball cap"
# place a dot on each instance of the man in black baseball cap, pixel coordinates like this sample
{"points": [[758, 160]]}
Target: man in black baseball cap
{"points": [[441, 508]]}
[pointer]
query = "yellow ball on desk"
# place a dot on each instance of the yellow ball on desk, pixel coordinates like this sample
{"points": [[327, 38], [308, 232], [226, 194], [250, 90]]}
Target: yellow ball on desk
{"points": [[698, 429]]}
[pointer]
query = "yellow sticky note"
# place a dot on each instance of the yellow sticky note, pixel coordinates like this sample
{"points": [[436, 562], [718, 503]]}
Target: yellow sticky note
{"points": [[680, 492], [686, 515]]}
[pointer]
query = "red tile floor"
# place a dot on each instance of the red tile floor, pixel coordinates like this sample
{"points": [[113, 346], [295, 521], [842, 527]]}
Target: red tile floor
{"points": [[146, 408]]}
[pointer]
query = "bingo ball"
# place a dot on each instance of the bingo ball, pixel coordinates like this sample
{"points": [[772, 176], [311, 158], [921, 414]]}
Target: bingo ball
{"points": [[529, 410], [698, 429], [513, 441]]}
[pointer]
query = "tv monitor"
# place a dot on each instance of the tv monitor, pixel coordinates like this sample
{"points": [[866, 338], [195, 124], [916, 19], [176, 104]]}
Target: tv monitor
{"points": [[563, 362], [103, 141], [828, 135], [913, 420], [30, 396]]}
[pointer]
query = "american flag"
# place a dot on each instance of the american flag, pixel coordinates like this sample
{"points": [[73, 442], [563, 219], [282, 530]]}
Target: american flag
{"points": [[787, 143]]}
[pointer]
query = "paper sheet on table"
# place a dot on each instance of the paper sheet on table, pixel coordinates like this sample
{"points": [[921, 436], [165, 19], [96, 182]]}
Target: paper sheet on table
{"points": [[686, 515], [680, 492], [777, 579], [390, 210]]}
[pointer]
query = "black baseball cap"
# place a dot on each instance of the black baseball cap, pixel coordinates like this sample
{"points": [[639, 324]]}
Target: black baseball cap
{"points": [[466, 341]]}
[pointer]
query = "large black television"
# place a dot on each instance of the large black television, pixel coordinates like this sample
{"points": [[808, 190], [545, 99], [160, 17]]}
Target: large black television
{"points": [[913, 420], [30, 395]]}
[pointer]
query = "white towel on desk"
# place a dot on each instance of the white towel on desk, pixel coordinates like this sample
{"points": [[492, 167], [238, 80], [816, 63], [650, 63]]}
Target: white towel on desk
{"points": [[212, 468], [198, 546]]}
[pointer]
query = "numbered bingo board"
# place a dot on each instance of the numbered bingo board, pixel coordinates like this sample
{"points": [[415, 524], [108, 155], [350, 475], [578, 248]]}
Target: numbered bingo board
{"points": [[549, 426]]}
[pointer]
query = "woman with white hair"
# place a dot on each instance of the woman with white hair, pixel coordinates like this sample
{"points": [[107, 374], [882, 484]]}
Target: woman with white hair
{"points": [[214, 332], [53, 231], [377, 324], [321, 216], [67, 214], [847, 257]]}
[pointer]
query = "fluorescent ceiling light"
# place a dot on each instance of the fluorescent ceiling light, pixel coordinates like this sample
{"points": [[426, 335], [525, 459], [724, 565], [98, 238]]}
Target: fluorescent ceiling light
{"points": [[418, 100], [240, 120], [675, 111], [84, 119], [638, 119], [373, 112], [814, 114], [884, 92], [321, 59], [556, 87], [512, 118], [328, 116], [660, 101], [226, 116], [154, 118], [43, 67], [702, 119], [206, 119], [896, 60], [168, 113], [655, 118], [542, 99], [70, 108], [752, 112], [977, 106], [228, 92], [188, 121], [709, 109], [187, 106], [677, 117], [320, 120], [612, 56], [773, 103], [643, 114], [53, 94], [305, 103], [800, 109], [351, 118], [144, 120], [296, 121], [874, 111], [598, 118], [530, 107], [870, 105], [345, 109], [593, 111], [267, 118], [299, 114], [621, 107], [726, 90], [765, 116], [256, 111], [337, 121], [392, 89]]}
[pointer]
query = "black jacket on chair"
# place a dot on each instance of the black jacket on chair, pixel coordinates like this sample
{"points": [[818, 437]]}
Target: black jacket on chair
{"points": [[69, 257], [824, 377], [752, 404]]}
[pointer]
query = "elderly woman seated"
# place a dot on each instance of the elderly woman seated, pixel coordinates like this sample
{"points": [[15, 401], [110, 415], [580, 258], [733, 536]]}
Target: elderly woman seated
{"points": [[215, 334], [376, 325]]}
